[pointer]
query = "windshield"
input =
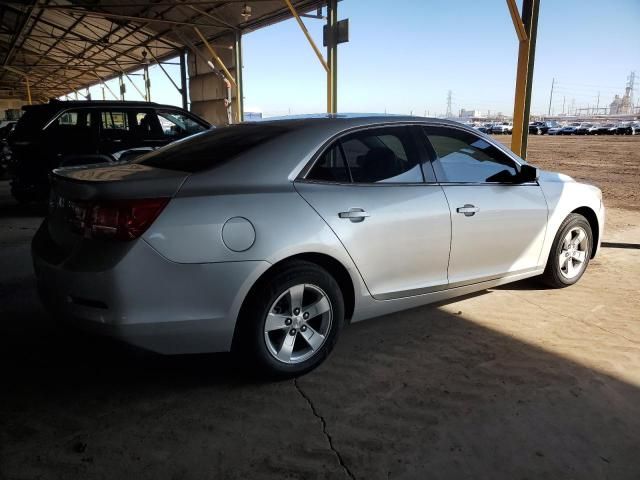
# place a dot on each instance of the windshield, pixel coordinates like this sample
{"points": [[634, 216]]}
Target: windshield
{"points": [[207, 149]]}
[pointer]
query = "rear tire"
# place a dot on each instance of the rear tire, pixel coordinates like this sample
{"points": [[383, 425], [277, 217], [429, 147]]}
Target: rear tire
{"points": [[291, 321], [570, 252]]}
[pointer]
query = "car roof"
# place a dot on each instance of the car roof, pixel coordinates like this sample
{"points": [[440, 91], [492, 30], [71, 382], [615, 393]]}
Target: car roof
{"points": [[55, 105], [341, 121]]}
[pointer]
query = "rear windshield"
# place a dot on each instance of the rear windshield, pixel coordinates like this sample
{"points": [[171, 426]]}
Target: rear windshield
{"points": [[31, 121], [208, 149]]}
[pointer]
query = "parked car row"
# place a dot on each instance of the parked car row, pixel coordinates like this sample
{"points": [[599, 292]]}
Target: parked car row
{"points": [[555, 128], [586, 128], [72, 133]]}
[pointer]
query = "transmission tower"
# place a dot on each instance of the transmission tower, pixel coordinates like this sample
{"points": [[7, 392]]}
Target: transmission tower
{"points": [[449, 114], [629, 90]]}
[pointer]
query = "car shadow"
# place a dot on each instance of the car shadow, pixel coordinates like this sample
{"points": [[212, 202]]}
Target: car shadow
{"points": [[11, 209], [403, 395]]}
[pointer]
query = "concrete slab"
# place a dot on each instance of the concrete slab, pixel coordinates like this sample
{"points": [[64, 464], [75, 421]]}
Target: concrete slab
{"points": [[515, 382]]}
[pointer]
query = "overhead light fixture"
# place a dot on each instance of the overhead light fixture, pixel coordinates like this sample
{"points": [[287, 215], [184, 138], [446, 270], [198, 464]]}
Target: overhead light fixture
{"points": [[245, 12]]}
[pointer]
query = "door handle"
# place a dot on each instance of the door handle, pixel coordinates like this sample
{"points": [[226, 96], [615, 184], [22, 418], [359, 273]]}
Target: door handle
{"points": [[468, 210], [354, 214]]}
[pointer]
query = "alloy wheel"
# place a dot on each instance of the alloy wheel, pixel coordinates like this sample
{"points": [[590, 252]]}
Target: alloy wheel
{"points": [[298, 323], [573, 254]]}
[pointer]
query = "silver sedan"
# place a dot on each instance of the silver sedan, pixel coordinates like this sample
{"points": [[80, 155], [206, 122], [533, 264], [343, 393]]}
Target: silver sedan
{"points": [[266, 238]]}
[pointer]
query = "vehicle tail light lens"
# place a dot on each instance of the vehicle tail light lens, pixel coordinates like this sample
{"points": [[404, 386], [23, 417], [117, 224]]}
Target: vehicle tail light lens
{"points": [[118, 220]]}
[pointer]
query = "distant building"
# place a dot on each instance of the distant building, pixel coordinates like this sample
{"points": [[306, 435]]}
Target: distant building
{"points": [[252, 116], [472, 114]]}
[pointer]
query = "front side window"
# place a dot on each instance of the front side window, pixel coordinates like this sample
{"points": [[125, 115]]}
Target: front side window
{"points": [[176, 124], [462, 157]]}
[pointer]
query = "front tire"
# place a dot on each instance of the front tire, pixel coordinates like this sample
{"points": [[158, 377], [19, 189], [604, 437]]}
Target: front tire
{"points": [[291, 321], [570, 252]]}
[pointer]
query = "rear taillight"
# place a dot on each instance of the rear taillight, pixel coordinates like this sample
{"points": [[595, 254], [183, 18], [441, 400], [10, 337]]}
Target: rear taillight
{"points": [[118, 220]]}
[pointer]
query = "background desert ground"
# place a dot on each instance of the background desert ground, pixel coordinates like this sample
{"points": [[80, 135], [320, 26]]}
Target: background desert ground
{"points": [[516, 382]]}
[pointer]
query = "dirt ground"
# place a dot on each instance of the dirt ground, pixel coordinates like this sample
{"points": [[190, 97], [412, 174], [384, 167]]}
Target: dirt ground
{"points": [[609, 162], [516, 382]]}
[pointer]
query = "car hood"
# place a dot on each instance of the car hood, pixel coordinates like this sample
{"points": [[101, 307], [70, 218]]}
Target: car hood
{"points": [[547, 176], [555, 177]]}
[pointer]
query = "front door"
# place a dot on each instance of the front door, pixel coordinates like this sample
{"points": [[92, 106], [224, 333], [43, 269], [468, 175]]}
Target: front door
{"points": [[498, 225], [370, 189]]}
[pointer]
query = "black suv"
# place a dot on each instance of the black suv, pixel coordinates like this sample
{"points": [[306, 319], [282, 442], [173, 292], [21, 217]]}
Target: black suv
{"points": [[538, 128], [68, 133]]}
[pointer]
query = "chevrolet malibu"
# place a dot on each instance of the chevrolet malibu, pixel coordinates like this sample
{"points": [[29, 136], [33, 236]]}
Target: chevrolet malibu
{"points": [[266, 238]]}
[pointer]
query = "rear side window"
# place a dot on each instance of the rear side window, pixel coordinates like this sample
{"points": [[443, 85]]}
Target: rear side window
{"points": [[384, 155], [330, 167], [208, 149], [176, 124], [377, 155]]}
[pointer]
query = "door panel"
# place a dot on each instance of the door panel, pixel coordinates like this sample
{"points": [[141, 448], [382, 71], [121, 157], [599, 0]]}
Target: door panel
{"points": [[397, 235], [498, 217], [504, 235]]}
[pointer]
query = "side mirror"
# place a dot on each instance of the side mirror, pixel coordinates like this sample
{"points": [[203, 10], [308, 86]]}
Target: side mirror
{"points": [[527, 174]]}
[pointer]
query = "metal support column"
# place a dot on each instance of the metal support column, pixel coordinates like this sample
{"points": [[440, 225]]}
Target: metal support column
{"points": [[147, 83], [332, 56], [526, 28], [122, 87], [239, 91], [26, 79], [183, 79]]}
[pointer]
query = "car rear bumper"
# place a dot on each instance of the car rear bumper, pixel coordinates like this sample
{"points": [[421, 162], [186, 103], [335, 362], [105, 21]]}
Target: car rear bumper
{"points": [[149, 301]]}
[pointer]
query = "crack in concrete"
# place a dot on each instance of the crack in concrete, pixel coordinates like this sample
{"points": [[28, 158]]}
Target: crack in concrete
{"points": [[324, 430]]}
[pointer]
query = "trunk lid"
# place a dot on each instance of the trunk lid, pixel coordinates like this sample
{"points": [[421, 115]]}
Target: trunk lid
{"points": [[71, 187]]}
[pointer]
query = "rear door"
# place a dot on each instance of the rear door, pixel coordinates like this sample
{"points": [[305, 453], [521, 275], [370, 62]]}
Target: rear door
{"points": [[73, 133], [395, 224], [498, 226], [126, 128]]}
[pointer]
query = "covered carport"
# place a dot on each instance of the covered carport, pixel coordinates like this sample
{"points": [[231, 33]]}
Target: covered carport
{"points": [[513, 382], [50, 49], [53, 48]]}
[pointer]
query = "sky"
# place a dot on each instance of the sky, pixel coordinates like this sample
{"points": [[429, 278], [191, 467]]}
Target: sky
{"points": [[404, 56]]}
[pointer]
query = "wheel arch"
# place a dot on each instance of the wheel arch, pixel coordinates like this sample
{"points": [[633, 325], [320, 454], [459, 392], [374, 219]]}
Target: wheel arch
{"points": [[333, 266], [592, 218]]}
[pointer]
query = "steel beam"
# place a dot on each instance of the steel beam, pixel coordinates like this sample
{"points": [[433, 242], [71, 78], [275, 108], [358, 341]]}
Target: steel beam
{"points": [[215, 56], [104, 85], [163, 70], [524, 77], [26, 80], [239, 86], [20, 31], [308, 35], [518, 23]]}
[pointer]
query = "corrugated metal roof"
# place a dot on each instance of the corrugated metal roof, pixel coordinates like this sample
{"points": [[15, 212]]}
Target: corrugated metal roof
{"points": [[69, 45]]}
